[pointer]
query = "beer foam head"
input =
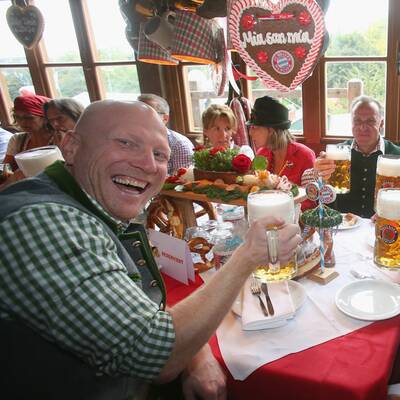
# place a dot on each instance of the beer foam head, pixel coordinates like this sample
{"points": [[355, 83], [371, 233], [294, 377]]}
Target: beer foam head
{"points": [[33, 161], [270, 203], [388, 166], [388, 204], [338, 153]]}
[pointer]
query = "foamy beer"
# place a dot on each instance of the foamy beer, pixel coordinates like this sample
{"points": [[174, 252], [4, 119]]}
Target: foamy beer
{"points": [[387, 172], [340, 179], [387, 229], [33, 161], [274, 203]]}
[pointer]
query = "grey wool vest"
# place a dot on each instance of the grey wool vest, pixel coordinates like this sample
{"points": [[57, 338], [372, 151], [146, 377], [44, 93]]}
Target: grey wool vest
{"points": [[37, 368]]}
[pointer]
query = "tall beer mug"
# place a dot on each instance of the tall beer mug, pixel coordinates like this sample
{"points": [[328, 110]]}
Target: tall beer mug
{"points": [[274, 203], [387, 229], [340, 178], [387, 172]]}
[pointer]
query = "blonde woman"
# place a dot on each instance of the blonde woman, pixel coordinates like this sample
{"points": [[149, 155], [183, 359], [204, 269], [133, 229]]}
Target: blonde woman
{"points": [[219, 123]]}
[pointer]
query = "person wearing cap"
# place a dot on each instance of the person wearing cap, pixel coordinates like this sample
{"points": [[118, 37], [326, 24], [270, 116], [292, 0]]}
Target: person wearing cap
{"points": [[269, 130], [29, 116]]}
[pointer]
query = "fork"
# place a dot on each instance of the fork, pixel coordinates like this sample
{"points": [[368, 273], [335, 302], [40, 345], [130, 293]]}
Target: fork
{"points": [[256, 290]]}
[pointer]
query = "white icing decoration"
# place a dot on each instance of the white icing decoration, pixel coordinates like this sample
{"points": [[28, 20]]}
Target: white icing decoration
{"points": [[270, 38]]}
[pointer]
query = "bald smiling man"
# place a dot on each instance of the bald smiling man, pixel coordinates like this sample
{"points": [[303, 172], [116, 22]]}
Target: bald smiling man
{"points": [[78, 318]]}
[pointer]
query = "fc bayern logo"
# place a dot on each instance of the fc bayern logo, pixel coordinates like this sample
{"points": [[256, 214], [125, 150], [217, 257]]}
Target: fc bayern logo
{"points": [[388, 234], [282, 62]]}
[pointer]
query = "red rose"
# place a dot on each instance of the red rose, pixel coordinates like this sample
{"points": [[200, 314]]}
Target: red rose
{"points": [[198, 148], [181, 171], [216, 149], [172, 179], [241, 163]]}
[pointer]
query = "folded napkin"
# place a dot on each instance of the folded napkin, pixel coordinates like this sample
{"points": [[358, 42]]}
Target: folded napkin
{"points": [[252, 315]]}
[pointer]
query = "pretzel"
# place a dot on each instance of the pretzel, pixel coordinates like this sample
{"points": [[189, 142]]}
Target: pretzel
{"points": [[201, 246]]}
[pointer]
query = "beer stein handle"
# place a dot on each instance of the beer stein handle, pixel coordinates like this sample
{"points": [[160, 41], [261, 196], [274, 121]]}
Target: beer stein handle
{"points": [[273, 249]]}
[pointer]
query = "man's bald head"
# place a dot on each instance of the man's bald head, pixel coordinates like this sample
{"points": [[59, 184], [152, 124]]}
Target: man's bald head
{"points": [[118, 153]]}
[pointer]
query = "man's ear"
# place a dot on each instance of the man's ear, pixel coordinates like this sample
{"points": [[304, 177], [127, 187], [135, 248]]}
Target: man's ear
{"points": [[165, 118], [69, 146]]}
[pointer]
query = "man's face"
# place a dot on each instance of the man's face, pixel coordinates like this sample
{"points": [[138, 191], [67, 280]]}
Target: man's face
{"points": [[120, 157], [219, 133], [366, 123]]}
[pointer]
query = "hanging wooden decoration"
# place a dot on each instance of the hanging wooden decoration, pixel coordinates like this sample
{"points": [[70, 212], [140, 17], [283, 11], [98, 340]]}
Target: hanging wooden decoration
{"points": [[280, 41], [26, 24]]}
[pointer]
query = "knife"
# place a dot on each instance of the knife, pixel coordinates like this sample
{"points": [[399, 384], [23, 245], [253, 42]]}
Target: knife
{"points": [[270, 307]]}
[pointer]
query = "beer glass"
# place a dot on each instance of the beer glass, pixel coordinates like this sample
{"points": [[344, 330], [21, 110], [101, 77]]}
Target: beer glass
{"points": [[33, 161], [387, 172], [340, 178], [387, 229], [274, 203]]}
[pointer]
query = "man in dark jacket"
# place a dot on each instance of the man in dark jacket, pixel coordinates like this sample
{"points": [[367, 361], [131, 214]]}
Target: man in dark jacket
{"points": [[367, 145]]}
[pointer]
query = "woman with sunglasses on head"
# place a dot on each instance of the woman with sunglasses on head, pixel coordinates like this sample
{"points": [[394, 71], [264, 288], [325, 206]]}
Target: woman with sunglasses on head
{"points": [[29, 116], [62, 115]]}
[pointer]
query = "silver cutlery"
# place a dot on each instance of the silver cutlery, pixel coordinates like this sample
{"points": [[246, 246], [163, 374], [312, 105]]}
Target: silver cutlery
{"points": [[361, 275], [264, 288], [256, 290]]}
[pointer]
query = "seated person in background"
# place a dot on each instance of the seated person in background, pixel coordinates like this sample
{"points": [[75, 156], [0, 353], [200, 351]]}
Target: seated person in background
{"points": [[93, 318], [62, 115], [219, 123], [181, 147], [29, 116], [5, 136], [367, 144], [269, 129]]}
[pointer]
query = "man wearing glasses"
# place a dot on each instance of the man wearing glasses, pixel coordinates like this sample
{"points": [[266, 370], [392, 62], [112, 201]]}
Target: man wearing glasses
{"points": [[367, 144]]}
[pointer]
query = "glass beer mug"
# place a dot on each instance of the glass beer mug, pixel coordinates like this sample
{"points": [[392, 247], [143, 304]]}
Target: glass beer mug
{"points": [[387, 229], [387, 172], [340, 178], [280, 204]]}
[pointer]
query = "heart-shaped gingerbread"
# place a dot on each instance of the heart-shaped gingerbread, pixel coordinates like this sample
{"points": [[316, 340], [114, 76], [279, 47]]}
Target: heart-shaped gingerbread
{"points": [[26, 24], [280, 41]]}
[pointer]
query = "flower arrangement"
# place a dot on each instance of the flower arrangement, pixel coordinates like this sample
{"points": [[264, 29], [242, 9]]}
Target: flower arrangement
{"points": [[221, 159]]}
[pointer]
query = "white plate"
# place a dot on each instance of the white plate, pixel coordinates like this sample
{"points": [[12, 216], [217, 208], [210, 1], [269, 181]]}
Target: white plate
{"points": [[369, 299], [344, 226], [296, 290]]}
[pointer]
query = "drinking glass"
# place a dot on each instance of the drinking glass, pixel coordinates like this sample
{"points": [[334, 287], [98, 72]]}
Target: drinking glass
{"points": [[387, 172], [274, 203], [340, 178], [387, 229]]}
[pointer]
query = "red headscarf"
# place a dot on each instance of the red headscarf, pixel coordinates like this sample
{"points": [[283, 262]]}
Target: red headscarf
{"points": [[31, 104]]}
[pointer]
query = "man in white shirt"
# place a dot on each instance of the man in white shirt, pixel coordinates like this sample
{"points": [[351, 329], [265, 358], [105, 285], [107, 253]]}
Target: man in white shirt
{"points": [[181, 147]]}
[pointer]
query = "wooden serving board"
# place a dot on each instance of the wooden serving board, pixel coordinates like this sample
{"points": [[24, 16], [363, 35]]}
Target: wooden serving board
{"points": [[202, 197]]}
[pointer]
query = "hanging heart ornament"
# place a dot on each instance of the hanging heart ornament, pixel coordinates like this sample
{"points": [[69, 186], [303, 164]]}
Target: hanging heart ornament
{"points": [[26, 24], [280, 41]]}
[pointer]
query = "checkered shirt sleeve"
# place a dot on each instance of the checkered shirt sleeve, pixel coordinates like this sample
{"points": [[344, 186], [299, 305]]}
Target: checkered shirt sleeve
{"points": [[181, 152], [61, 275]]}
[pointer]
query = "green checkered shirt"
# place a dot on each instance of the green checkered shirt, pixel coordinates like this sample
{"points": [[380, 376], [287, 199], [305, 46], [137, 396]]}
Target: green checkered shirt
{"points": [[60, 274]]}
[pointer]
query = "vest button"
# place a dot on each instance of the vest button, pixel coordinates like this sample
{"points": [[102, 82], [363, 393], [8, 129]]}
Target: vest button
{"points": [[364, 179], [363, 196], [363, 189], [363, 206], [153, 283], [141, 262], [136, 243], [365, 169]]}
